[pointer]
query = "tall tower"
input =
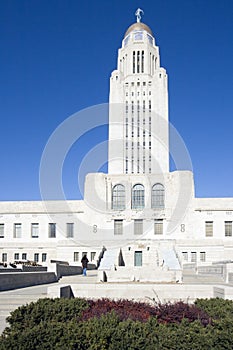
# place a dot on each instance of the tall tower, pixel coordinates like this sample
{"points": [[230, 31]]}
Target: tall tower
{"points": [[138, 111]]}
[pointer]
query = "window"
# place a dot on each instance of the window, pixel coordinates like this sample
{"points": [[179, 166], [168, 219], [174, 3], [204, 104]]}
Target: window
{"points": [[138, 62], [138, 226], [4, 257], [118, 197], [138, 36], [76, 256], [69, 230], [126, 106], [44, 257], [133, 61], [209, 228], [138, 258], [16, 256], [17, 230], [34, 230], [52, 230], [185, 256], [228, 228], [1, 230], [142, 61], [24, 256], [157, 196], [118, 227], [158, 227], [138, 197], [150, 39], [93, 254], [203, 256], [36, 257], [193, 256]]}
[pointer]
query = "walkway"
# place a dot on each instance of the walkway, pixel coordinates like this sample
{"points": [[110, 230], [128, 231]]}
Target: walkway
{"points": [[11, 299]]}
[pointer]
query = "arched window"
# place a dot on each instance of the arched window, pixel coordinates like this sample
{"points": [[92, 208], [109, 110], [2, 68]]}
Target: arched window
{"points": [[157, 196], [138, 197], [118, 197]]}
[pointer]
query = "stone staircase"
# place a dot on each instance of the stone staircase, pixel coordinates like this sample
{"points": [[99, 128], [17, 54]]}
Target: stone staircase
{"points": [[109, 259]]}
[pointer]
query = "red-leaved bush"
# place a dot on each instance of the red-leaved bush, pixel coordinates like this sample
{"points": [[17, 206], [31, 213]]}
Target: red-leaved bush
{"points": [[125, 309], [138, 311], [176, 312]]}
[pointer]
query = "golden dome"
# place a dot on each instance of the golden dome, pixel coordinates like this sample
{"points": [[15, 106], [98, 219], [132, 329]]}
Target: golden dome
{"points": [[138, 26]]}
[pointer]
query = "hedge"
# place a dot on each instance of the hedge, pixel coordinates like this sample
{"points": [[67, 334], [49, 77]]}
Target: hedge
{"points": [[60, 324]]}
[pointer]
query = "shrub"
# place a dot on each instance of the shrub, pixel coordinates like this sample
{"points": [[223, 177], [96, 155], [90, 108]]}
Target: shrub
{"points": [[125, 309], [165, 313], [60, 324], [44, 310], [176, 312]]}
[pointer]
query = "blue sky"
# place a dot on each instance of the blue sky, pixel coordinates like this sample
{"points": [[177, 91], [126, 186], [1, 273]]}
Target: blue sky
{"points": [[56, 59]]}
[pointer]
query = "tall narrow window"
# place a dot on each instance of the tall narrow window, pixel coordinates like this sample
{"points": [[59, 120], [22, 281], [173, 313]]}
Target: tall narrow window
{"points": [[24, 256], [203, 256], [149, 105], [138, 197], [84, 253], [185, 256], [209, 228], [70, 230], [134, 62], [138, 62], [157, 196], [44, 257], [118, 197], [193, 256], [17, 230], [126, 106], [4, 257], [52, 230], [158, 227], [76, 256], [138, 226], [16, 256], [93, 255], [144, 105], [142, 61], [36, 257], [118, 227], [35, 230], [228, 228], [1, 230]]}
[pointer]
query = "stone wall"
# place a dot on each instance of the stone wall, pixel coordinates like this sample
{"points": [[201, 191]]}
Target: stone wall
{"points": [[25, 279]]}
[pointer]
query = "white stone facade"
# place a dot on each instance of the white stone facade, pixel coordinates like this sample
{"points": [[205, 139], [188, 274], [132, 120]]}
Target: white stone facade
{"points": [[145, 216], [138, 116]]}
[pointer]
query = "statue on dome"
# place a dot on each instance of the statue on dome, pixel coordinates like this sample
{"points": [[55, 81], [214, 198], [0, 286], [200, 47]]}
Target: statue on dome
{"points": [[138, 14]]}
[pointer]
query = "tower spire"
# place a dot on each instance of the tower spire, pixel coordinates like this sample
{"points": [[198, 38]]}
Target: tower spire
{"points": [[138, 14]]}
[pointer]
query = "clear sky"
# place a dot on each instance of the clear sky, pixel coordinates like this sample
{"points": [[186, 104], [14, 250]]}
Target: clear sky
{"points": [[56, 58]]}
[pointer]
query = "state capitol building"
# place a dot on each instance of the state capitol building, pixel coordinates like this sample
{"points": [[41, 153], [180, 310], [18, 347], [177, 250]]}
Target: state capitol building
{"points": [[139, 215]]}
